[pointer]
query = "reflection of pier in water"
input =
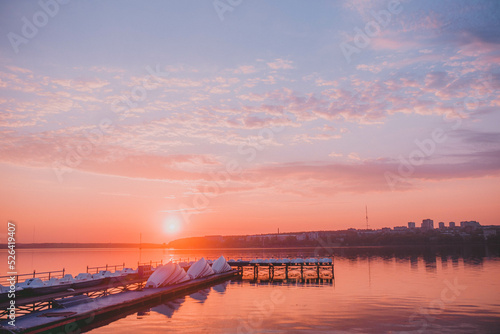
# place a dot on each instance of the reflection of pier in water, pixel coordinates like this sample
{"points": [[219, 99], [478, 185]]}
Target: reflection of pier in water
{"points": [[314, 270]]}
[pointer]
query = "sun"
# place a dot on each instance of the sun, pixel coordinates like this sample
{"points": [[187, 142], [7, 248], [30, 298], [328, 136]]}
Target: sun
{"points": [[172, 225]]}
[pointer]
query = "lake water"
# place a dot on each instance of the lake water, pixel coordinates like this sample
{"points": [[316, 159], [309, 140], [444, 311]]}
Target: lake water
{"points": [[376, 290]]}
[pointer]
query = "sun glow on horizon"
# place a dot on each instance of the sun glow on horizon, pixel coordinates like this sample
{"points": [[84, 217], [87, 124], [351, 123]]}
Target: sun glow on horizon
{"points": [[172, 225]]}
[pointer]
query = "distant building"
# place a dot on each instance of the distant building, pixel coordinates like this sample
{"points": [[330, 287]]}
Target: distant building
{"points": [[282, 236], [313, 235], [301, 236], [470, 224], [386, 229], [441, 225], [252, 237], [411, 224], [452, 224], [427, 224], [400, 228], [487, 233]]}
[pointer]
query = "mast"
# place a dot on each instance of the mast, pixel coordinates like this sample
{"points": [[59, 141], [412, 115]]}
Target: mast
{"points": [[366, 211]]}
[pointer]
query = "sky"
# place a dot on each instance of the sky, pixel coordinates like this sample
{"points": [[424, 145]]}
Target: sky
{"points": [[171, 119]]}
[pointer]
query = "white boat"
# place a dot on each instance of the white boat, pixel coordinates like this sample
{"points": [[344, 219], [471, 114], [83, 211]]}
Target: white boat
{"points": [[129, 271], [196, 268], [85, 280], [178, 276], [38, 287], [102, 274], [52, 281], [108, 275], [170, 273], [160, 275], [68, 278], [173, 275], [208, 271], [220, 265], [217, 265], [31, 283], [200, 269]]}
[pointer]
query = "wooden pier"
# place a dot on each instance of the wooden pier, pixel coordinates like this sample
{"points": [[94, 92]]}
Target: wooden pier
{"points": [[71, 314], [275, 270], [33, 303], [87, 307], [26, 303]]}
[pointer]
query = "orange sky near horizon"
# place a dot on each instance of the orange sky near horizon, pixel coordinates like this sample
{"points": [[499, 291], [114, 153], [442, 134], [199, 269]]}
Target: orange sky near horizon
{"points": [[77, 212]]}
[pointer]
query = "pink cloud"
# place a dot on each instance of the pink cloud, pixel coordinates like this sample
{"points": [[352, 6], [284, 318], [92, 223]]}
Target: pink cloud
{"points": [[245, 69], [19, 69], [393, 43], [281, 64]]}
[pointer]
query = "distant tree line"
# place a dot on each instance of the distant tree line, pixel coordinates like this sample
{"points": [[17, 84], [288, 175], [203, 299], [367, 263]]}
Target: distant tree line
{"points": [[338, 238]]}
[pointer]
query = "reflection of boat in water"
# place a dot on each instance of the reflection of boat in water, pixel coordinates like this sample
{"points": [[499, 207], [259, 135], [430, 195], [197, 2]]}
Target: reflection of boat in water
{"points": [[221, 288], [143, 313], [264, 272], [169, 307], [310, 274], [325, 274], [201, 295], [294, 274]]}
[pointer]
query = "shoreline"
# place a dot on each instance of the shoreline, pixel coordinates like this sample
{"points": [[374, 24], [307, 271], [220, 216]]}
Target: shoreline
{"points": [[119, 246]]}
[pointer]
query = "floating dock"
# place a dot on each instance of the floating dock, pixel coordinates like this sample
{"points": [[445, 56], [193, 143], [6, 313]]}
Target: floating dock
{"points": [[72, 313], [279, 270], [88, 307]]}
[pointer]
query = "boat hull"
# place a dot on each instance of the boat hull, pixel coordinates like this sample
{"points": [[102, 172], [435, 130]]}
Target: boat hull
{"points": [[88, 283]]}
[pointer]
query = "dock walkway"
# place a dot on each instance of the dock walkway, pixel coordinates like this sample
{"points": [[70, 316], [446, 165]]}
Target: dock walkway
{"points": [[276, 270], [86, 311]]}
